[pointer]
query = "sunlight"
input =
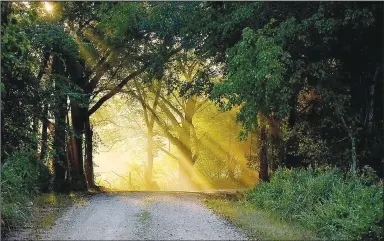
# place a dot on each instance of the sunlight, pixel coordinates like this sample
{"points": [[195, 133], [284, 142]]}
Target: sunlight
{"points": [[48, 7], [168, 105], [121, 159], [99, 42]]}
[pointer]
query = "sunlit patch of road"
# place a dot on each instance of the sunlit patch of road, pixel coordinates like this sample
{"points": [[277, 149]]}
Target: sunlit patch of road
{"points": [[143, 215]]}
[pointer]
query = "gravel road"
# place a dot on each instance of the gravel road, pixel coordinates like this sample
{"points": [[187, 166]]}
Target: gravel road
{"points": [[138, 216]]}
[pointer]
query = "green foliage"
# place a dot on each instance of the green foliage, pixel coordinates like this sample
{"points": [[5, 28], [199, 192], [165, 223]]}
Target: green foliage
{"points": [[21, 177], [51, 37], [257, 66], [325, 201], [307, 66]]}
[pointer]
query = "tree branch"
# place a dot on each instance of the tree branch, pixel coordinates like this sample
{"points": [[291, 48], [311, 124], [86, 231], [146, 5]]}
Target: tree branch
{"points": [[116, 90]]}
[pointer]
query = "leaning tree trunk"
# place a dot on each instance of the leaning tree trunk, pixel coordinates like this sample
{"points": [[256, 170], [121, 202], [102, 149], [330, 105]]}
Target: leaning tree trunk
{"points": [[185, 167], [186, 163], [89, 154], [263, 173]]}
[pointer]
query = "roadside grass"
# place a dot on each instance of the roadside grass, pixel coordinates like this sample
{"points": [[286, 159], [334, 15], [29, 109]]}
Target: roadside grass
{"points": [[46, 209], [333, 204], [258, 224], [49, 206]]}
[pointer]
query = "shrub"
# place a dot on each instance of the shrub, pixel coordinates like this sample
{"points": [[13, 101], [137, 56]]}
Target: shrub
{"points": [[325, 201], [21, 178]]}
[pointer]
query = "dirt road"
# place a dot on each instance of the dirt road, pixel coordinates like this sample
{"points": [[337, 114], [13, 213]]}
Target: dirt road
{"points": [[137, 216]]}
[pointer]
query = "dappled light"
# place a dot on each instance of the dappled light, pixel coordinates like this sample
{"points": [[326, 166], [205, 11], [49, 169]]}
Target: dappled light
{"points": [[156, 110], [121, 154]]}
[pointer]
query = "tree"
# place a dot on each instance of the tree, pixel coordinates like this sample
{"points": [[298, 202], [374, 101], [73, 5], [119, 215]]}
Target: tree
{"points": [[256, 81], [306, 46]]}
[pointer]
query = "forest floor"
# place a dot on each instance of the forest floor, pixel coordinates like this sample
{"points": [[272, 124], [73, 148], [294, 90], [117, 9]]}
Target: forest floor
{"points": [[137, 216]]}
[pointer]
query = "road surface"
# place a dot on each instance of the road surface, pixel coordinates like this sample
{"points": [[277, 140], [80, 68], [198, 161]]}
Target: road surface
{"points": [[138, 216]]}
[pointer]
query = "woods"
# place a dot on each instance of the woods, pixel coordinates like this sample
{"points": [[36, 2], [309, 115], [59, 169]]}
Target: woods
{"points": [[300, 84]]}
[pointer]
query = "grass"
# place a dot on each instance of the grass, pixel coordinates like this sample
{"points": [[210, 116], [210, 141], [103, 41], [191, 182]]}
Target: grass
{"points": [[258, 224], [49, 206], [48, 220], [335, 205], [145, 215]]}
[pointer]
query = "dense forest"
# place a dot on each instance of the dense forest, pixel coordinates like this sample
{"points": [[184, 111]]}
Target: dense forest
{"points": [[295, 85]]}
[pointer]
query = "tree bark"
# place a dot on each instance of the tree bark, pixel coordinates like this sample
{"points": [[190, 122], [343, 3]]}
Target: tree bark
{"points": [[150, 155], [89, 152], [77, 165], [59, 136], [78, 74], [352, 136], [290, 158], [230, 162], [185, 172], [44, 132], [277, 156], [372, 100], [263, 173], [35, 130]]}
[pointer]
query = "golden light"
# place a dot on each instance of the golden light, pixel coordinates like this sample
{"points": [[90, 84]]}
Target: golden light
{"points": [[48, 7]]}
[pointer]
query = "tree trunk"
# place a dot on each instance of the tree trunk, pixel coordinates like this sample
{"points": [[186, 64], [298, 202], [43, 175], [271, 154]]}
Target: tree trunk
{"points": [[263, 173], [150, 155], [89, 151], [44, 132], [354, 156], [78, 125], [59, 136], [35, 130], [292, 145], [230, 166], [277, 151], [352, 136], [185, 167], [372, 100]]}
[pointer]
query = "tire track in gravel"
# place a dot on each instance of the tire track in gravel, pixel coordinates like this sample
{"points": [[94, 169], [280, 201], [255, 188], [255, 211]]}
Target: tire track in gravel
{"points": [[142, 216]]}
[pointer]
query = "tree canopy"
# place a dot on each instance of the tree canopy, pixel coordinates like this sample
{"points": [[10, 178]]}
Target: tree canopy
{"points": [[304, 81]]}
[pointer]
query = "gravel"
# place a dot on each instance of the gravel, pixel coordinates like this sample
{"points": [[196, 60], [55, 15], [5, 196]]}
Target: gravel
{"points": [[142, 216]]}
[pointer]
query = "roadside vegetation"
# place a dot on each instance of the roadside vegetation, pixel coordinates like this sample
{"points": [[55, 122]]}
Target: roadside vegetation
{"points": [[203, 96], [256, 223], [26, 199], [309, 203], [22, 179], [39, 214]]}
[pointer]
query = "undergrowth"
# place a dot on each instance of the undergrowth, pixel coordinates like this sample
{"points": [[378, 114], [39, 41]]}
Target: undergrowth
{"points": [[334, 205], [22, 178], [258, 224]]}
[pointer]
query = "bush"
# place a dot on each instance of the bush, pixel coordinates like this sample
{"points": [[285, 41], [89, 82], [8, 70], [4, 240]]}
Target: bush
{"points": [[325, 201], [22, 175]]}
